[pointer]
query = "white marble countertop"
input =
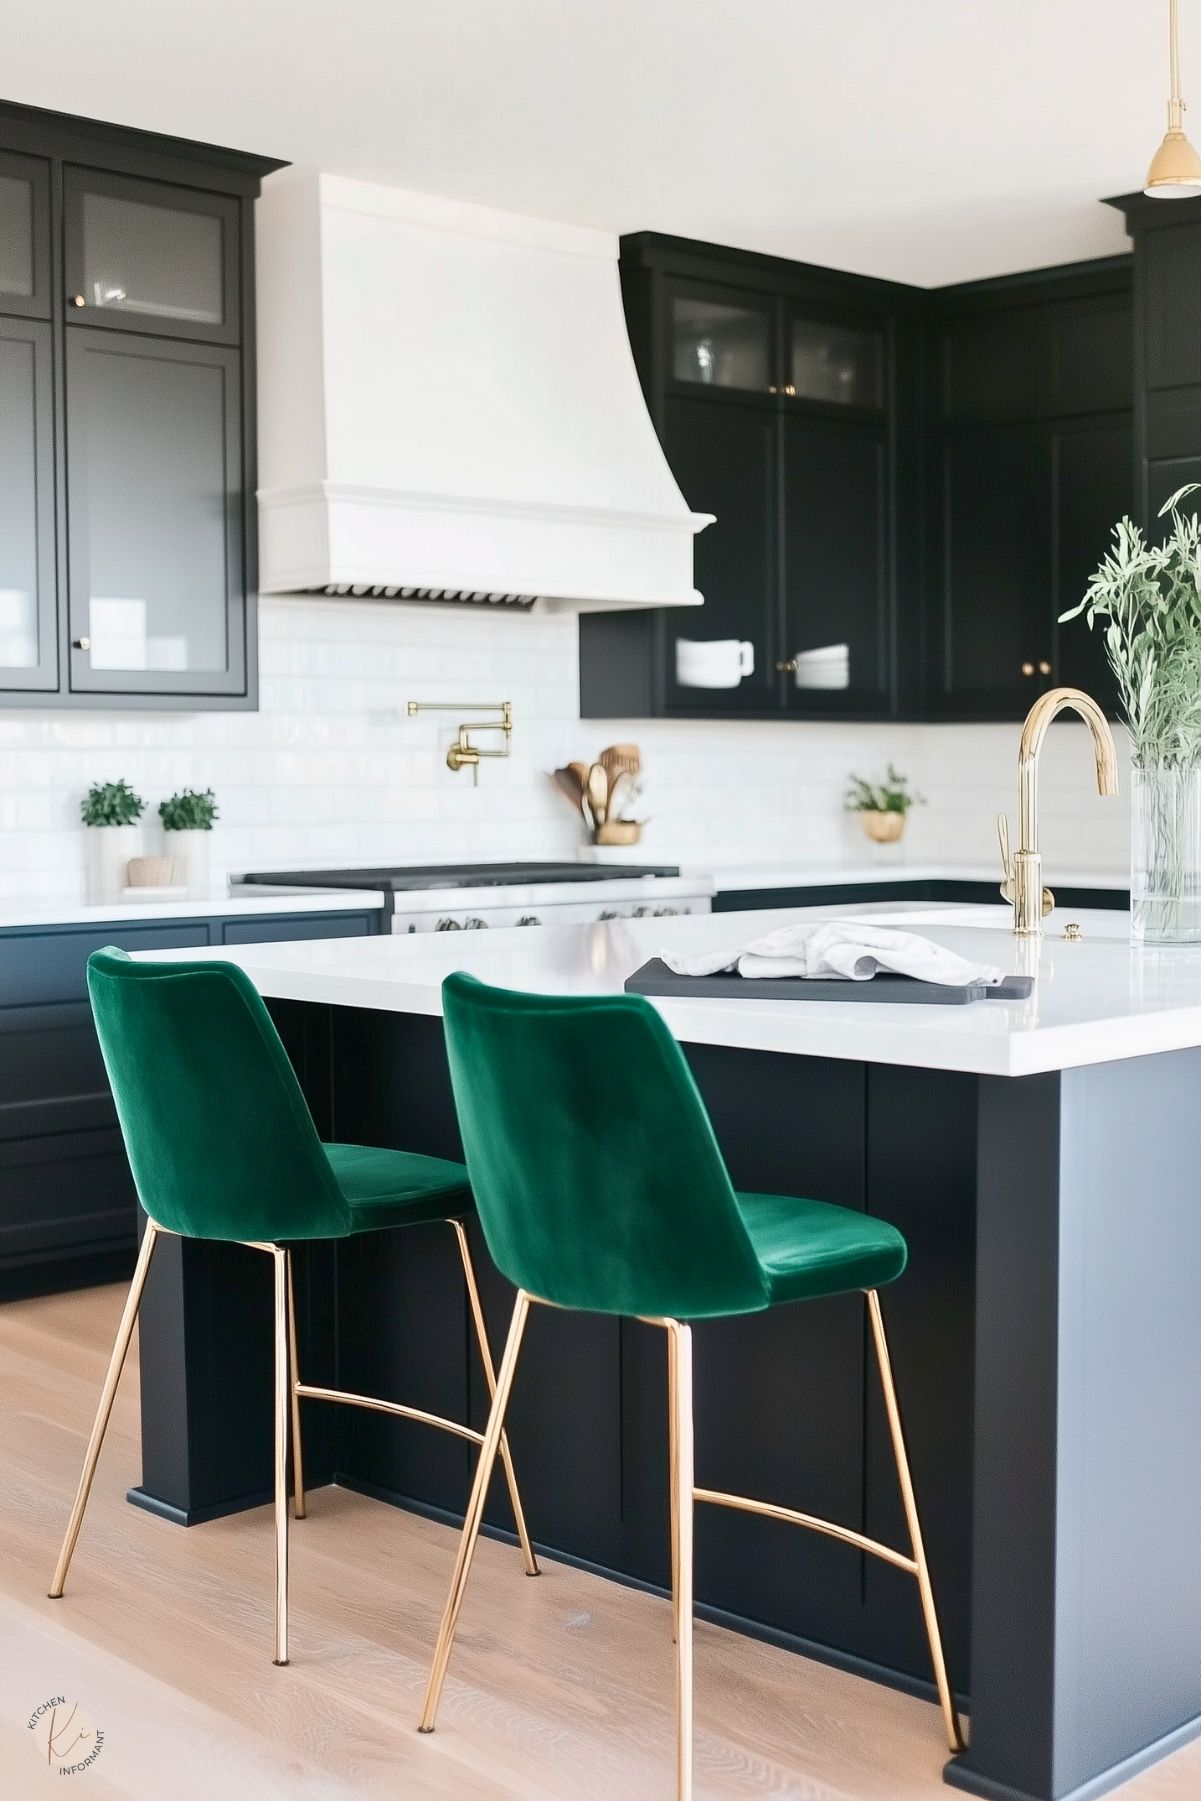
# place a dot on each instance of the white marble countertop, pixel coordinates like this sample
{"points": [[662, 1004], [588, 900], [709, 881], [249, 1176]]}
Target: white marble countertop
{"points": [[244, 902], [1095, 1001]]}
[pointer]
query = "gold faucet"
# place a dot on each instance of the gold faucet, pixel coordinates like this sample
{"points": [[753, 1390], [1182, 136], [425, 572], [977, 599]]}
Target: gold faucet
{"points": [[1023, 884], [463, 754]]}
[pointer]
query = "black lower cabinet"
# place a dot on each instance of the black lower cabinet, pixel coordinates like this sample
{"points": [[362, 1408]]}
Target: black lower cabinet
{"points": [[67, 1208], [845, 894]]}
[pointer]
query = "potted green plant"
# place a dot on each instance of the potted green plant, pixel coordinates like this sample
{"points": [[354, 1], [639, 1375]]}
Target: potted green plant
{"points": [[187, 819], [110, 811], [883, 807], [1147, 598]]}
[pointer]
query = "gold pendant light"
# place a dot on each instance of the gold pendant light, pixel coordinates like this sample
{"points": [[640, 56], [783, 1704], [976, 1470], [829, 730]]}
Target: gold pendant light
{"points": [[1175, 172]]}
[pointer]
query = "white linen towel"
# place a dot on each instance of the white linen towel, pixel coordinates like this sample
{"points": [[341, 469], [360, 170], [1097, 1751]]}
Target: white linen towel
{"points": [[850, 948]]}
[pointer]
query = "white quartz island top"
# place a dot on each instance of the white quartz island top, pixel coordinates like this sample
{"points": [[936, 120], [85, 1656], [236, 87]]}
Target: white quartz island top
{"points": [[1095, 1001]]}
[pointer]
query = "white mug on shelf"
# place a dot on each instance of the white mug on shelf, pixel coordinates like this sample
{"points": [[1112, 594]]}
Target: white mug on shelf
{"points": [[713, 662]]}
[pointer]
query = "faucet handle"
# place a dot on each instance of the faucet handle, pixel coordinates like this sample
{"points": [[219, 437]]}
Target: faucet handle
{"points": [[1007, 886]]}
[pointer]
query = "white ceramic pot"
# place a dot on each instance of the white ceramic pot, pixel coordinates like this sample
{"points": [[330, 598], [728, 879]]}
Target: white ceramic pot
{"points": [[191, 853], [108, 850]]}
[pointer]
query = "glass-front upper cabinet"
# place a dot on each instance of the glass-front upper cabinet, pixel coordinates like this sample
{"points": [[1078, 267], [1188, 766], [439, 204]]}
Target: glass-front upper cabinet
{"points": [[28, 648], [720, 340], [142, 256], [835, 362], [155, 554], [24, 236]]}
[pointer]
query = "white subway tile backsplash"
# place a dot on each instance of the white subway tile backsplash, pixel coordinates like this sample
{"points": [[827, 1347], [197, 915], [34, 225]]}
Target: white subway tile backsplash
{"points": [[332, 770]]}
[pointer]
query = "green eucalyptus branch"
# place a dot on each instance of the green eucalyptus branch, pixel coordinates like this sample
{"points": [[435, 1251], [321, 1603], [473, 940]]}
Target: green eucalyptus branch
{"points": [[1148, 599]]}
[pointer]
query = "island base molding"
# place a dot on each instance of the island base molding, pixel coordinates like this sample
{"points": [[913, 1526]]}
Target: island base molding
{"points": [[959, 1774], [1046, 1338]]}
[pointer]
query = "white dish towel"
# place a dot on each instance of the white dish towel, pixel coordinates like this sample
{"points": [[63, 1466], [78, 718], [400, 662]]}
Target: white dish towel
{"points": [[850, 948]]}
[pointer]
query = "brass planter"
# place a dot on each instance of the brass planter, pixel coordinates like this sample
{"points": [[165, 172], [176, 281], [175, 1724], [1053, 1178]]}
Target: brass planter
{"points": [[883, 828]]}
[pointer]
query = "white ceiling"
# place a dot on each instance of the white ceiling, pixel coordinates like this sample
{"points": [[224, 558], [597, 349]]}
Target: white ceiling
{"points": [[927, 140]]}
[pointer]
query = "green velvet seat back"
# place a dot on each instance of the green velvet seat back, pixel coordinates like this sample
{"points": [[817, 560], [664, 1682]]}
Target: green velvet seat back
{"points": [[220, 1140], [597, 1178]]}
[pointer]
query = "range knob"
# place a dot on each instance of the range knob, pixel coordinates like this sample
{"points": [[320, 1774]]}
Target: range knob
{"points": [[475, 924], [609, 913], [667, 912], [529, 919], [448, 925]]}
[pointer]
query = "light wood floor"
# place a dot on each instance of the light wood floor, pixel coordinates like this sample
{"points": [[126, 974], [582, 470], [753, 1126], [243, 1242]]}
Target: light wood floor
{"points": [[560, 1689]]}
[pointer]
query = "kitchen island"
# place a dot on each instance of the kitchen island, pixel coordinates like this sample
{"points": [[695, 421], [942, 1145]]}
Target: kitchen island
{"points": [[1041, 1158]]}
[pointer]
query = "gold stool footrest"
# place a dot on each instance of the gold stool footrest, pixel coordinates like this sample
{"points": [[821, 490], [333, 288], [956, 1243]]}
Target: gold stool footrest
{"points": [[308, 1393], [791, 1517]]}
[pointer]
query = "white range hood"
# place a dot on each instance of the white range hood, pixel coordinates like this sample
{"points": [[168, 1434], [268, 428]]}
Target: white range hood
{"points": [[449, 409]]}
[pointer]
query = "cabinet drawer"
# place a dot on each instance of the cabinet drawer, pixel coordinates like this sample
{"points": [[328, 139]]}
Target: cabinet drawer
{"points": [[37, 968], [297, 926], [66, 1192], [52, 1076]]}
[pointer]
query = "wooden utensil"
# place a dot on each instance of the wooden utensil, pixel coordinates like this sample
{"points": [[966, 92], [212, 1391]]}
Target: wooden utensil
{"points": [[621, 763], [598, 794], [568, 783]]}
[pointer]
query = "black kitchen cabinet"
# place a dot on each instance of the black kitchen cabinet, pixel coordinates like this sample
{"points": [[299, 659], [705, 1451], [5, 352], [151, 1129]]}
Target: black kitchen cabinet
{"points": [[154, 546], [67, 1208], [144, 256], [783, 395], [995, 540], [724, 458], [1031, 463], [24, 236], [28, 619], [836, 593], [137, 251], [1167, 349]]}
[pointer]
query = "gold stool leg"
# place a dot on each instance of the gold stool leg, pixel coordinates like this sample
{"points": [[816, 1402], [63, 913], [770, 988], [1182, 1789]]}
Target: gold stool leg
{"points": [[680, 1404], [475, 1512], [282, 1386], [946, 1700], [673, 1474], [297, 1452], [477, 1314], [133, 1301]]}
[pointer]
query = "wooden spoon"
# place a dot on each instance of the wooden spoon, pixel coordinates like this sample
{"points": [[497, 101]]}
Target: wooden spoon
{"points": [[568, 783], [598, 793]]}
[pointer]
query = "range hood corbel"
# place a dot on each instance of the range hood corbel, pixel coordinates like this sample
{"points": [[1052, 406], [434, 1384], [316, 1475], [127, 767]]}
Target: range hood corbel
{"points": [[449, 409]]}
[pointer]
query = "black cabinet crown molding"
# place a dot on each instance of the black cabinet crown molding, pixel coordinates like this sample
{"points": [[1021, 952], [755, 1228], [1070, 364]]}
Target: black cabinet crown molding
{"points": [[99, 144]]}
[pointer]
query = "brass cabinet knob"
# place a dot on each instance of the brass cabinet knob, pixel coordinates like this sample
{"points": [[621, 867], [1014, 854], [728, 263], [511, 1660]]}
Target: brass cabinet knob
{"points": [[81, 644], [790, 390], [1027, 668], [772, 390], [78, 300], [1044, 669], [788, 668]]}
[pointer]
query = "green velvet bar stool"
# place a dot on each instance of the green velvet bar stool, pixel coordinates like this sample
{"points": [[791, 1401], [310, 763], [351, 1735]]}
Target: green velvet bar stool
{"points": [[222, 1146], [629, 1209]]}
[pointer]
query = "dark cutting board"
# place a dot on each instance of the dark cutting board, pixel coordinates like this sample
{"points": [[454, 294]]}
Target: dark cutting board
{"points": [[655, 978]]}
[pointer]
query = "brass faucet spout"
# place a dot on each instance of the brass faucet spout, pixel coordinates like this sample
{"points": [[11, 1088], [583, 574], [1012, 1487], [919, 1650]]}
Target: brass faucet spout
{"points": [[1024, 876]]}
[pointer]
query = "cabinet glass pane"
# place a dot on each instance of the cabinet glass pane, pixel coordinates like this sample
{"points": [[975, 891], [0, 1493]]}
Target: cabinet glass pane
{"points": [[154, 260], [720, 346], [19, 646], [16, 237], [838, 363], [155, 511]]}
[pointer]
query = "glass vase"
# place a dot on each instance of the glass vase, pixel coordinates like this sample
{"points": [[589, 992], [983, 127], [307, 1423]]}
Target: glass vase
{"points": [[1165, 854]]}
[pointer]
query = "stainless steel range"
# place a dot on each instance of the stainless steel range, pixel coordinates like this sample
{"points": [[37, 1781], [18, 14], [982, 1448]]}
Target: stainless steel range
{"points": [[451, 897]]}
